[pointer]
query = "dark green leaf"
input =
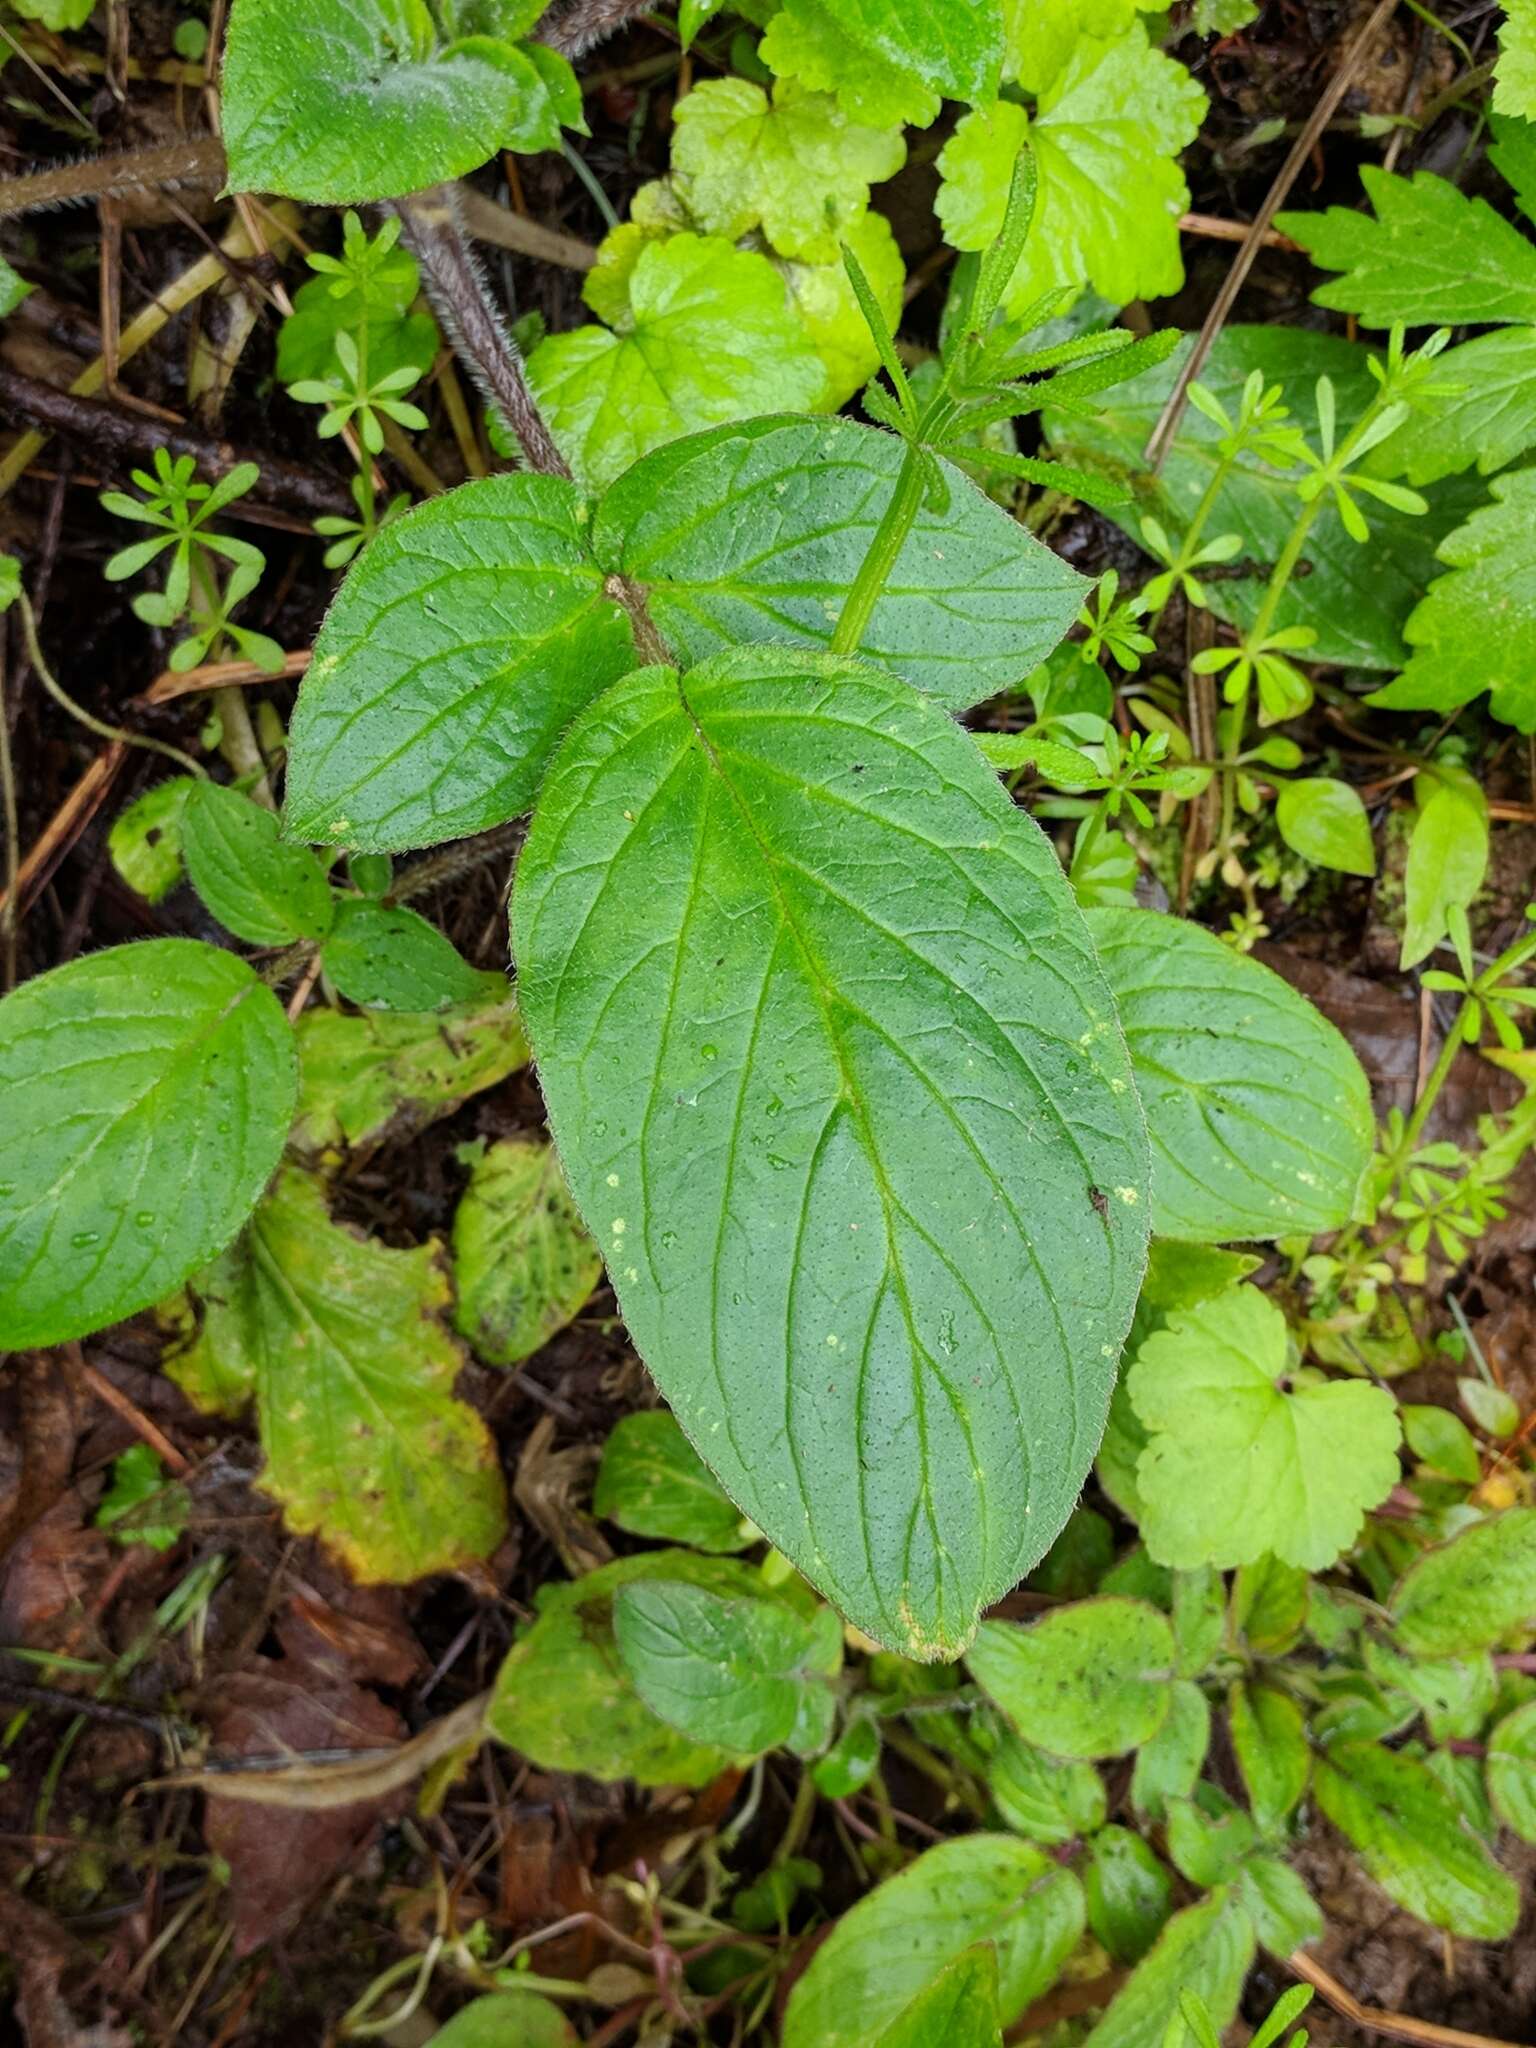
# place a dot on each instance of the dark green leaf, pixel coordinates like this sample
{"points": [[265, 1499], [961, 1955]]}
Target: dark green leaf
{"points": [[148, 1092], [770, 1017], [264, 892], [753, 533], [1129, 1893], [386, 957], [652, 1482], [460, 647]]}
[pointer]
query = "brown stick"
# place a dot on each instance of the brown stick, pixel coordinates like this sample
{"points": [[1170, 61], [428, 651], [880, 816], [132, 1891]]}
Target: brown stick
{"points": [[488, 222], [68, 821], [1253, 239], [130, 436], [1397, 2026], [217, 675], [193, 160], [129, 1411]]}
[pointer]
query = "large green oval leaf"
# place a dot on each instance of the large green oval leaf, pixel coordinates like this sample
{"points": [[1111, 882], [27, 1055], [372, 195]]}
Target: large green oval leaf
{"points": [[887, 1951], [340, 102], [841, 1095], [459, 648], [147, 1092], [753, 533], [1258, 1111]]}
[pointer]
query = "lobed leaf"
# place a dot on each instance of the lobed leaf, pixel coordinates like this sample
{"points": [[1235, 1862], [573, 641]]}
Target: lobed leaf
{"points": [[148, 1092], [836, 1082]]}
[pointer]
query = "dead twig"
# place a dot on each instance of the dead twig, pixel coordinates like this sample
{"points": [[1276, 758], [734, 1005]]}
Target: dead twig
{"points": [[1396, 2026], [218, 675], [129, 1411]]}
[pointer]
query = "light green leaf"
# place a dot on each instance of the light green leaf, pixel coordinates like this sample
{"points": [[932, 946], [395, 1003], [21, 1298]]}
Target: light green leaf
{"points": [[13, 287], [564, 1698], [794, 166], [957, 2010], [1049, 1800], [386, 957], [1168, 1766], [754, 532], [1236, 1466], [59, 15], [264, 892], [1129, 1893], [1442, 1440], [1209, 1837], [711, 337], [1040, 35], [1086, 1680], [955, 46], [1513, 155], [1258, 1111], [1412, 1840], [522, 1263], [807, 40], [380, 301], [887, 1950], [1205, 1949], [1270, 1600], [1447, 859], [1512, 1771], [823, 296], [1269, 1740], [851, 1762], [461, 645], [1514, 79], [141, 1505], [1470, 1593], [145, 840], [1489, 421], [148, 1092], [809, 1199], [652, 1482], [743, 1673], [344, 1344], [1325, 822], [1430, 257], [1106, 137], [507, 2019], [374, 104], [386, 1073], [1357, 598], [1284, 1913], [1199, 1620], [1455, 1694], [1475, 629]]}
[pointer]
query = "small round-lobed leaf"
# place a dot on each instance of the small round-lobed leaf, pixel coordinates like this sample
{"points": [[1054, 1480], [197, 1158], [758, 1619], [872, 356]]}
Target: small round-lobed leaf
{"points": [[148, 1090]]}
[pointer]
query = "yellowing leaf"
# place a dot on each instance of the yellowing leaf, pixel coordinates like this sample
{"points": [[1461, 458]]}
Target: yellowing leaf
{"points": [[795, 165], [342, 1342], [1245, 1457], [806, 41], [522, 1259]]}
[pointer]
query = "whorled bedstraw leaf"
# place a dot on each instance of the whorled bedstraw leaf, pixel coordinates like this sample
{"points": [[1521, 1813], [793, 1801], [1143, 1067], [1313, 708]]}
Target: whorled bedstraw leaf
{"points": [[957, 2010], [754, 532], [1512, 1770], [1324, 821], [336, 103], [263, 891], [1468, 1594], [652, 1482], [1206, 1949], [1413, 1842], [1087, 1680], [388, 1073], [386, 957], [1258, 1110], [148, 1091], [1356, 598], [887, 1950], [523, 1264], [793, 165], [1431, 256], [806, 41], [1245, 1455], [460, 646], [1105, 136], [710, 336], [1475, 627], [747, 1674], [345, 1347], [564, 1698], [375, 293], [836, 1081], [144, 842], [823, 297]]}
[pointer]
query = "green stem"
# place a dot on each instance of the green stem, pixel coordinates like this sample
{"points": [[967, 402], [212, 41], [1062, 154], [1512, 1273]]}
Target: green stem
{"points": [[1437, 1079], [884, 550], [1185, 554]]}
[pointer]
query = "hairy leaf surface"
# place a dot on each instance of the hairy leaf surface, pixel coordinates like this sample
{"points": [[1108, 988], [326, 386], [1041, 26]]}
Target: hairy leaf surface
{"points": [[459, 648], [264, 892], [753, 533], [842, 1097], [886, 1951], [147, 1091], [1258, 1111]]}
